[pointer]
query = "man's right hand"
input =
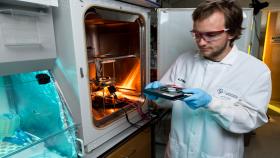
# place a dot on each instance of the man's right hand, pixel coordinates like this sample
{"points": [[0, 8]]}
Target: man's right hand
{"points": [[155, 84]]}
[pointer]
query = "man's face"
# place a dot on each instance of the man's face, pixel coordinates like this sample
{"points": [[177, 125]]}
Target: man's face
{"points": [[211, 37]]}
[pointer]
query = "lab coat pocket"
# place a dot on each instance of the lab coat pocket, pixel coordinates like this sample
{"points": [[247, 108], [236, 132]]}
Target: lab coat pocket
{"points": [[205, 155]]}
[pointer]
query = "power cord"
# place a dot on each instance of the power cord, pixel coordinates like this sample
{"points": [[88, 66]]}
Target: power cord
{"points": [[144, 116], [127, 119]]}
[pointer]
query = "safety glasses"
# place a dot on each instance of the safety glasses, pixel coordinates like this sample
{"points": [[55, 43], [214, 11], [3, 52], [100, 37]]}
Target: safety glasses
{"points": [[208, 36]]}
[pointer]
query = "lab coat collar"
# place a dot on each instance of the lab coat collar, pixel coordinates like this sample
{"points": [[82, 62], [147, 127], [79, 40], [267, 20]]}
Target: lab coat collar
{"points": [[230, 58]]}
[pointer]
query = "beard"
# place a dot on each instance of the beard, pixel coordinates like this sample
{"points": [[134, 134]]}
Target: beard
{"points": [[216, 52]]}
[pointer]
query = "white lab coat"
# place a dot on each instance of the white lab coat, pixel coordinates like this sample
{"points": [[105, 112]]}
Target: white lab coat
{"points": [[240, 86]]}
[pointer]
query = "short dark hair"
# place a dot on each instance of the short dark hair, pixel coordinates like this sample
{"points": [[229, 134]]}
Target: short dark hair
{"points": [[232, 12]]}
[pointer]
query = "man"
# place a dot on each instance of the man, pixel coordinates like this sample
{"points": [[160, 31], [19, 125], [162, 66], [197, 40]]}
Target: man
{"points": [[230, 89]]}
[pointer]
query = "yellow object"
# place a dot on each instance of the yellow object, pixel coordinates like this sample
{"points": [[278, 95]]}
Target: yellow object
{"points": [[274, 108], [249, 49], [266, 37]]}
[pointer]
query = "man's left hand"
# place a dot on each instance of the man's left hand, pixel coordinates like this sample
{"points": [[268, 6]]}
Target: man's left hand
{"points": [[199, 98]]}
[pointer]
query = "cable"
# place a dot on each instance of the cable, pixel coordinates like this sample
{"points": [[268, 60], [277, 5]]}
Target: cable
{"points": [[127, 119], [144, 116]]}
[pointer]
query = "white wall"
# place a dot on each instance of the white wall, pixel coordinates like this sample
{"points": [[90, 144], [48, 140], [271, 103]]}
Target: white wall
{"points": [[193, 3], [260, 19]]}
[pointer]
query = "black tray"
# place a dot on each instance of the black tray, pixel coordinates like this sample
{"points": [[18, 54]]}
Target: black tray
{"points": [[167, 92]]}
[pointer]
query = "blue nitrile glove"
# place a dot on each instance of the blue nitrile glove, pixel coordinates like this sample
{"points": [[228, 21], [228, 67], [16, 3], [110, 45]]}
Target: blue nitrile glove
{"points": [[199, 98], [155, 84]]}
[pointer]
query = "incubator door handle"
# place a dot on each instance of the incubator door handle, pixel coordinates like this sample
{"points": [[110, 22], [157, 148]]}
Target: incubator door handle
{"points": [[81, 152]]}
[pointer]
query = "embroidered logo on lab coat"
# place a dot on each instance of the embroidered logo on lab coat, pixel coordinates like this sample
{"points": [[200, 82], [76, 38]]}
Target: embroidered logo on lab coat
{"points": [[226, 94]]}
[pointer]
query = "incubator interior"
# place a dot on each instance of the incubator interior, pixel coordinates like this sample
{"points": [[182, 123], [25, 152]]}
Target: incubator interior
{"points": [[115, 63]]}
